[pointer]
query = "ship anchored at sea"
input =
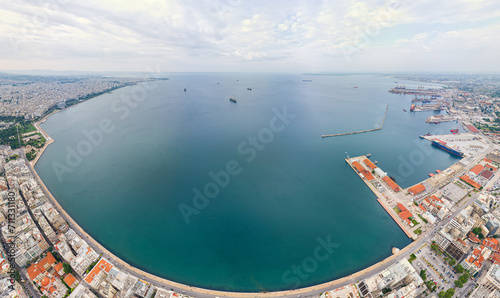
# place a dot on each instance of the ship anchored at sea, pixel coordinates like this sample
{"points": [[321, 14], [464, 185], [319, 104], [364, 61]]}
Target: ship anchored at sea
{"points": [[232, 99]]}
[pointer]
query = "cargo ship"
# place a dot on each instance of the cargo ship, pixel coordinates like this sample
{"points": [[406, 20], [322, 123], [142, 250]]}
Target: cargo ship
{"points": [[442, 145], [232, 99], [412, 108]]}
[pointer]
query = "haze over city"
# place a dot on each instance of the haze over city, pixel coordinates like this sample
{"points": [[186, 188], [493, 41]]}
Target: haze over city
{"points": [[257, 36]]}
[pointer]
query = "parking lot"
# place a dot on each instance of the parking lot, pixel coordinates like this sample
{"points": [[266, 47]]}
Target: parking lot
{"points": [[440, 267], [453, 192]]}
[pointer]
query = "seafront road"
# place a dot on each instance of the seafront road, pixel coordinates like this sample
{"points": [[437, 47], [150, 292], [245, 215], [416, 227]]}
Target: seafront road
{"points": [[199, 292]]}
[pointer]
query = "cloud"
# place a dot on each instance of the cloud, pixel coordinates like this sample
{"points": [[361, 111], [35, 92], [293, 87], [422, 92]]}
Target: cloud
{"points": [[191, 35]]}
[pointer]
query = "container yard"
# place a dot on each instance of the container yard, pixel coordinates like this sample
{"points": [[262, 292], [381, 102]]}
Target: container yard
{"points": [[441, 118], [465, 145], [431, 107], [401, 89]]}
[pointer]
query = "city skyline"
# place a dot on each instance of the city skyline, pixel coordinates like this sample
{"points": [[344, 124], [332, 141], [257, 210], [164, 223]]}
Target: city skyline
{"points": [[232, 35]]}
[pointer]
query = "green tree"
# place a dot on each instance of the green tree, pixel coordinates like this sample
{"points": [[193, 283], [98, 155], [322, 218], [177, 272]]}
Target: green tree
{"points": [[464, 277], [452, 262], [423, 275], [67, 268], [442, 294], [476, 231], [459, 268], [450, 292], [458, 284], [17, 275]]}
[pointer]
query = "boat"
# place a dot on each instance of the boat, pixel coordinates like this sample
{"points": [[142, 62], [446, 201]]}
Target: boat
{"points": [[232, 99], [368, 155], [426, 135], [249, 88], [454, 131], [442, 145], [355, 87], [404, 110], [412, 108], [375, 162], [307, 80], [184, 89]]}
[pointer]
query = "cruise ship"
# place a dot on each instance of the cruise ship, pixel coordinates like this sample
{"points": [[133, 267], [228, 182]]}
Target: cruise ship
{"points": [[442, 145]]}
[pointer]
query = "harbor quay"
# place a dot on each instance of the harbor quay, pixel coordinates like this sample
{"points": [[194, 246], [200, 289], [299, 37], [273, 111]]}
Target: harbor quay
{"points": [[382, 185]]}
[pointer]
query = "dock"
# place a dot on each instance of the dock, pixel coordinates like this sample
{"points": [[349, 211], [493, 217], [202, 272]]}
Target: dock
{"points": [[390, 211], [361, 131], [381, 197], [441, 118]]}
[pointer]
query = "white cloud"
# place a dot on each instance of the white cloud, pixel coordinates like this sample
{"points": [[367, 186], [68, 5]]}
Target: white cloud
{"points": [[226, 35]]}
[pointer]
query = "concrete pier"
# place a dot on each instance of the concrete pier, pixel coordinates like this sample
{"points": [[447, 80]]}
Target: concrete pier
{"points": [[361, 131], [381, 197]]}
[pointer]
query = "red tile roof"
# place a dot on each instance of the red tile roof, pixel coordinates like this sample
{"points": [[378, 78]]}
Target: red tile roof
{"points": [[405, 214], [391, 183], [490, 167], [477, 169], [477, 252], [415, 190], [495, 258], [370, 164], [358, 166], [473, 238], [102, 265], [471, 182], [69, 279], [368, 175], [472, 128], [34, 270]]}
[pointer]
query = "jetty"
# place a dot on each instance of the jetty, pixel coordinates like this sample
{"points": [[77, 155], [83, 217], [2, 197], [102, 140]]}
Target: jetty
{"points": [[361, 131], [375, 178]]}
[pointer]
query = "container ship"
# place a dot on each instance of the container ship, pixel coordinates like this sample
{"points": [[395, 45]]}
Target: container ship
{"points": [[442, 145]]}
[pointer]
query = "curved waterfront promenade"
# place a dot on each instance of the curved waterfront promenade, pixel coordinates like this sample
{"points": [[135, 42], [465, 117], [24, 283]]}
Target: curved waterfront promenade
{"points": [[200, 292]]}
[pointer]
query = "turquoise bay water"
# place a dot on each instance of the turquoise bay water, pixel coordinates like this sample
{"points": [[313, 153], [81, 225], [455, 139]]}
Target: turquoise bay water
{"points": [[127, 191]]}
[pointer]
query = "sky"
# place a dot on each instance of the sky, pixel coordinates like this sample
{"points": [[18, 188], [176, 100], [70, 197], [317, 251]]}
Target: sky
{"points": [[255, 36]]}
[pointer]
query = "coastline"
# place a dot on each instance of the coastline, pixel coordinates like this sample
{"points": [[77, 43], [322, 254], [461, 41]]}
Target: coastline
{"points": [[162, 282], [116, 260]]}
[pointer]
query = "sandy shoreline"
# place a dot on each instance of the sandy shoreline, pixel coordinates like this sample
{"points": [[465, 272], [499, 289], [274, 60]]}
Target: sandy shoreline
{"points": [[159, 282]]}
